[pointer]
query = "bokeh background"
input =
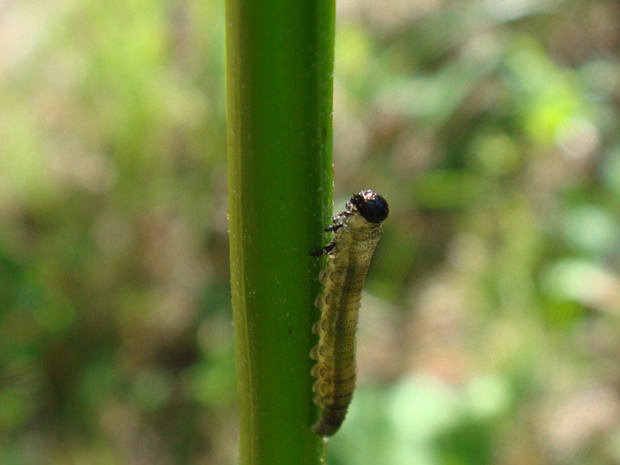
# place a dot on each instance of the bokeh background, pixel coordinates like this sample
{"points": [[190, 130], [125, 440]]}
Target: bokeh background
{"points": [[489, 331]]}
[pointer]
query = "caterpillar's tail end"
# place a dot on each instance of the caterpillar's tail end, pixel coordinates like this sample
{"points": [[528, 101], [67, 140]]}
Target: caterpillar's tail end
{"points": [[324, 429]]}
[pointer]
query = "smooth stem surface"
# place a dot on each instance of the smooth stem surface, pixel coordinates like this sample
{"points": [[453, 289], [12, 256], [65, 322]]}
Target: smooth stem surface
{"points": [[279, 64]]}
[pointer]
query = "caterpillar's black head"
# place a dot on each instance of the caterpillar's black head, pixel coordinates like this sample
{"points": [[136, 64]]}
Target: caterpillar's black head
{"points": [[371, 206]]}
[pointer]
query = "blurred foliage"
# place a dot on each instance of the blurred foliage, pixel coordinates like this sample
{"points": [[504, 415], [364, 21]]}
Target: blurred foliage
{"points": [[490, 329]]}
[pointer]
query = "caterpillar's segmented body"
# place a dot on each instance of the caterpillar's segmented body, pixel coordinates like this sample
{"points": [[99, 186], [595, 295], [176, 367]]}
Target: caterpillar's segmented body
{"points": [[357, 230]]}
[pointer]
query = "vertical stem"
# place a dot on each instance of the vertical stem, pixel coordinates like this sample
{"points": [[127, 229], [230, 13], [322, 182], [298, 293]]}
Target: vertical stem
{"points": [[279, 64]]}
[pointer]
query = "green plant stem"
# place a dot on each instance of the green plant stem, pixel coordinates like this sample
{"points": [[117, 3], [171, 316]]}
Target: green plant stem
{"points": [[279, 64]]}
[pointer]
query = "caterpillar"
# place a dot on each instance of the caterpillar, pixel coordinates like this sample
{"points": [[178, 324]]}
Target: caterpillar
{"points": [[356, 230]]}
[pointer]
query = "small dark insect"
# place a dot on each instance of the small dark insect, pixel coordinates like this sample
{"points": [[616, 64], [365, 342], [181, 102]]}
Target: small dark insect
{"points": [[357, 230]]}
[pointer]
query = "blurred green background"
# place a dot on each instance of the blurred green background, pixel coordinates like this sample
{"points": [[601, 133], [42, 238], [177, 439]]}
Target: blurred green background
{"points": [[489, 330]]}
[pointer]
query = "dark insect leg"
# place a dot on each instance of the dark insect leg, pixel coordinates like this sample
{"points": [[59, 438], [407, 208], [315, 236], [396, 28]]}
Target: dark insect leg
{"points": [[333, 227], [323, 250]]}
